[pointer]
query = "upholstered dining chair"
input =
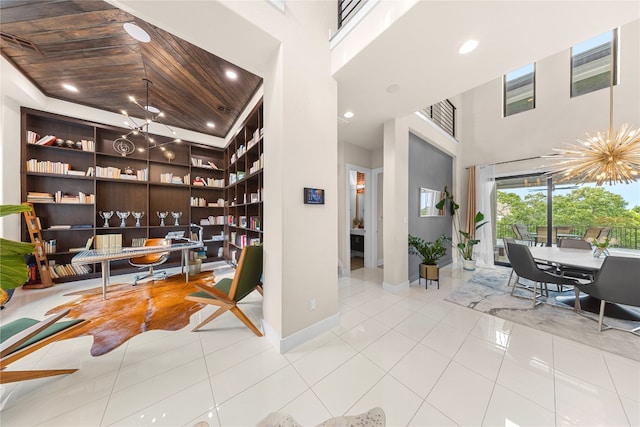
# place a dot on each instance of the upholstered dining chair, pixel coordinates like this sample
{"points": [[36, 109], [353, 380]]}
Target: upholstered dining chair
{"points": [[227, 293], [151, 260], [24, 336], [525, 267], [507, 240], [616, 282], [578, 273]]}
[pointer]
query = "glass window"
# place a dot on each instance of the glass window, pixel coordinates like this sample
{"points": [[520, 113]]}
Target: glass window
{"points": [[519, 90], [591, 63]]}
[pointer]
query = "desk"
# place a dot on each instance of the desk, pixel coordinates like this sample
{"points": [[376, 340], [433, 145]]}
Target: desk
{"points": [[93, 256]]}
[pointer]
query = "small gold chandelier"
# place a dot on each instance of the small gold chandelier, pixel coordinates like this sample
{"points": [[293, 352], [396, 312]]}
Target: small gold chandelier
{"points": [[605, 157]]}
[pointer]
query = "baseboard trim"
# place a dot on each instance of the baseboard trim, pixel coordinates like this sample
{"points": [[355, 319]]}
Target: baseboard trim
{"points": [[288, 343], [396, 288]]}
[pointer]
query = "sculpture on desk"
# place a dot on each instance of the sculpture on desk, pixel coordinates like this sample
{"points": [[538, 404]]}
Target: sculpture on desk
{"points": [[137, 216], [175, 216], [106, 216], [123, 217], [162, 216]]}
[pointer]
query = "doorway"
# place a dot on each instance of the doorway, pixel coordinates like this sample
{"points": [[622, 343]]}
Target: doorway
{"points": [[360, 227]]}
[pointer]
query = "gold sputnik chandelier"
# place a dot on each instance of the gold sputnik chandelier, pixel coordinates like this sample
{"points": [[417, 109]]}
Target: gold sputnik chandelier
{"points": [[604, 157]]}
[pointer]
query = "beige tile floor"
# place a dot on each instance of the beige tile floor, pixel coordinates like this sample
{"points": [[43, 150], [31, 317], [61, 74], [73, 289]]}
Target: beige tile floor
{"points": [[425, 361]]}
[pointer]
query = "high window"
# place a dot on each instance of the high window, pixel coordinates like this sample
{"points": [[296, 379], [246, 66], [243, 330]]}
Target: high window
{"points": [[519, 90], [591, 63]]}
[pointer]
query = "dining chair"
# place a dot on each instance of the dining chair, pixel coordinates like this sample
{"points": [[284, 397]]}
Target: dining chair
{"points": [[616, 282], [541, 235], [592, 233], [522, 234], [506, 241], [525, 267], [574, 244], [604, 233], [575, 272]]}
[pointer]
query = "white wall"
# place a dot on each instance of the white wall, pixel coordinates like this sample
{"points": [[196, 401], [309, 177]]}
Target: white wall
{"points": [[489, 138], [290, 50]]}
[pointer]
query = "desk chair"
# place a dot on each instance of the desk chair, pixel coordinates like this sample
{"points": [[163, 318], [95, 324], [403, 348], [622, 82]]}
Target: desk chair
{"points": [[227, 293], [616, 282], [151, 260], [526, 268], [24, 336]]}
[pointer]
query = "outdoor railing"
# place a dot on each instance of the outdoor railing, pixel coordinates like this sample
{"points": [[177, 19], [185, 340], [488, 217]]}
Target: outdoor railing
{"points": [[626, 237]]}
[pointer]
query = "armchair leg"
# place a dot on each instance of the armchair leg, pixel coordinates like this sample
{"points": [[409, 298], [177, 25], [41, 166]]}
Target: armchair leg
{"points": [[243, 317], [215, 315]]}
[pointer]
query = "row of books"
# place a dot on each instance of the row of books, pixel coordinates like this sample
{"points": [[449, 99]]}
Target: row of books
{"points": [[38, 197], [201, 164], [235, 177], [46, 166], [116, 173], [61, 197], [243, 240], [169, 178], [108, 242], [202, 202], [49, 246], [64, 270], [257, 136], [35, 139], [257, 165], [212, 220], [208, 182]]}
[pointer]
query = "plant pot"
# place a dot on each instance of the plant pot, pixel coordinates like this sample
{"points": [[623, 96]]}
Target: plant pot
{"points": [[431, 272], [469, 264]]}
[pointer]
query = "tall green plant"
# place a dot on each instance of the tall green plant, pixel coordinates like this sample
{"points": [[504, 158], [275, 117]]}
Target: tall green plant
{"points": [[13, 269], [467, 238]]}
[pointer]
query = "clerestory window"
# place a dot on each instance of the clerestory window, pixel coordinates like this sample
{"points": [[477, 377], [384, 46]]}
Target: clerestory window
{"points": [[519, 90], [591, 63]]}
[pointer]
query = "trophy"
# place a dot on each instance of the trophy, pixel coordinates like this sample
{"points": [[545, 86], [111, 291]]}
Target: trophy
{"points": [[162, 216], [105, 216], [123, 216], [175, 216], [137, 216]]}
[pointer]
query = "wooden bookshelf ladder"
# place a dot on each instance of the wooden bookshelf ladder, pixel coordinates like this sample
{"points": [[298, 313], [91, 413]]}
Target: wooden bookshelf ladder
{"points": [[33, 225]]}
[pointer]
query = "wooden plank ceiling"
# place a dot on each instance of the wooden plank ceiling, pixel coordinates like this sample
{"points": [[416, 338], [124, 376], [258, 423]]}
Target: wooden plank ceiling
{"points": [[83, 43]]}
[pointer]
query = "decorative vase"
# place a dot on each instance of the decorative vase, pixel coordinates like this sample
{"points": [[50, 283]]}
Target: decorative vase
{"points": [[469, 264], [600, 252]]}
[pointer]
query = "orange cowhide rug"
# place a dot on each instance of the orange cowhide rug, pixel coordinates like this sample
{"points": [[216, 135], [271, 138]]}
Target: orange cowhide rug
{"points": [[131, 310]]}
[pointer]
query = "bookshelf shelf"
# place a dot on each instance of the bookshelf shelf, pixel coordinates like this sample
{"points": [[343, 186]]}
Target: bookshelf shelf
{"points": [[114, 194]]}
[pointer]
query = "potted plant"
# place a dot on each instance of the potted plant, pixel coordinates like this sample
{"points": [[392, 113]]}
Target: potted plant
{"points": [[430, 253], [466, 238], [13, 268]]}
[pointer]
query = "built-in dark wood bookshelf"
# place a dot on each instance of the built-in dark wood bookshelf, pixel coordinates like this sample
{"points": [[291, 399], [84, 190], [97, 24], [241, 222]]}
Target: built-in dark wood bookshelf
{"points": [[244, 178], [72, 224]]}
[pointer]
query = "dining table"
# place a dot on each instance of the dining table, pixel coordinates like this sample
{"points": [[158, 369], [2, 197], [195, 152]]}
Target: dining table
{"points": [[584, 260]]}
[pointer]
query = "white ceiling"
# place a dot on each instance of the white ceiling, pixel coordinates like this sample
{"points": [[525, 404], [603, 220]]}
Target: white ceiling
{"points": [[418, 52]]}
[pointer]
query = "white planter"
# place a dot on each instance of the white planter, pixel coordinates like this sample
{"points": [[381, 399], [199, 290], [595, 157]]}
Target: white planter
{"points": [[469, 264]]}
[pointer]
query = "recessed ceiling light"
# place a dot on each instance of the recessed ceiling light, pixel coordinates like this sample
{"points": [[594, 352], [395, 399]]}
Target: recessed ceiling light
{"points": [[69, 87], [348, 115], [211, 124], [231, 74], [468, 46], [136, 32]]}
